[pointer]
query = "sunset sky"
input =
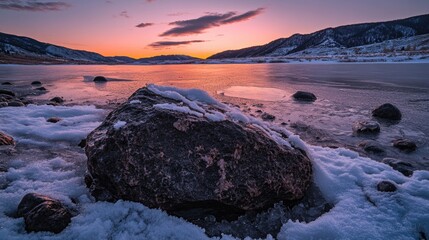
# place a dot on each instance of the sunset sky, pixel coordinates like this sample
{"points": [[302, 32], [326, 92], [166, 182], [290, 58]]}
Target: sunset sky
{"points": [[143, 28]]}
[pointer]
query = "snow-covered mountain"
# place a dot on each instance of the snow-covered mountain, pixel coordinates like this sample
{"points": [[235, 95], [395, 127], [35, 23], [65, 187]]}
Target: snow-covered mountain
{"points": [[17, 49], [343, 37]]}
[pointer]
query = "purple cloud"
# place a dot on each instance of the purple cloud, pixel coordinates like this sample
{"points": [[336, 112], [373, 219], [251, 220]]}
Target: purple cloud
{"points": [[164, 44], [143, 25], [33, 6], [198, 25]]}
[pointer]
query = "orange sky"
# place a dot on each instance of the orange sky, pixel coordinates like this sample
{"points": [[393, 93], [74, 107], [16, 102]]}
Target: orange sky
{"points": [[208, 27]]}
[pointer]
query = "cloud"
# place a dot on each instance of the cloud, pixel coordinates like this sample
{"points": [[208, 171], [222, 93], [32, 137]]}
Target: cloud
{"points": [[198, 25], [34, 6], [166, 44], [143, 25], [124, 14]]}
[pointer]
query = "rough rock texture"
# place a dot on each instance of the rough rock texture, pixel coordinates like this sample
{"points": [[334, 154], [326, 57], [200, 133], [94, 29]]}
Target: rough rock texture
{"points": [[100, 79], [386, 186], [304, 96], [387, 111], [403, 167], [172, 160], [57, 100], [405, 145], [42, 213], [365, 127], [6, 139]]}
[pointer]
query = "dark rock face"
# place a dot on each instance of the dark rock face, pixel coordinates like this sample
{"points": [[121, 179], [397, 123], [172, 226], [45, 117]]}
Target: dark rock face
{"points": [[100, 79], [53, 119], [42, 213], [16, 104], [403, 167], [386, 186], [304, 96], [36, 83], [174, 161], [387, 111], [371, 146], [267, 117], [57, 100], [6, 139], [405, 145], [366, 127], [7, 92]]}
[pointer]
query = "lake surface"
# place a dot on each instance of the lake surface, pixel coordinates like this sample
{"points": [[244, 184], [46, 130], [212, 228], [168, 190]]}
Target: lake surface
{"points": [[346, 93]]}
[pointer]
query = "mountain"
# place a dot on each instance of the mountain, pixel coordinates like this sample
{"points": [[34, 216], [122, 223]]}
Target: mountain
{"points": [[342, 37], [24, 50], [163, 59]]}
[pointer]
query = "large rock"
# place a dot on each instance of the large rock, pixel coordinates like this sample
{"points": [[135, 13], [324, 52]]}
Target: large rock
{"points": [[42, 213], [6, 139], [387, 111], [405, 145], [173, 160], [304, 96]]}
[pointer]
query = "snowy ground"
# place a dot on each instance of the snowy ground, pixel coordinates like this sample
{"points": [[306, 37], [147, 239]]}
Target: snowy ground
{"points": [[346, 179]]}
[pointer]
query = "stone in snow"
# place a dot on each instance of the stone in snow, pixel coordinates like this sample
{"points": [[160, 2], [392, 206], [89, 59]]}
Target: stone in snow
{"points": [[172, 160]]}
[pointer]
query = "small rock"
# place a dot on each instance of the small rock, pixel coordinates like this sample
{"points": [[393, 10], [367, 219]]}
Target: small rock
{"points": [[6, 83], [267, 117], [82, 143], [371, 146], [304, 96], [405, 145], [100, 79], [6, 92], [403, 167], [36, 83], [387, 111], [41, 89], [42, 213], [258, 105], [16, 104], [283, 124], [386, 186], [6, 139], [364, 127], [54, 119], [57, 100], [258, 111]]}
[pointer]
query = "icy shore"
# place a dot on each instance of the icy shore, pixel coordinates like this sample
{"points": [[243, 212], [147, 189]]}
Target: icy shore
{"points": [[347, 180]]}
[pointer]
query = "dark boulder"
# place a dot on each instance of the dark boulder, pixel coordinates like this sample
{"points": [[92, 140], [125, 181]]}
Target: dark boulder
{"points": [[42, 213], [6, 139], [267, 117], [371, 146], [304, 96], [366, 127], [172, 160], [387, 111], [403, 167], [16, 104], [53, 119], [405, 145], [36, 83], [100, 79], [386, 186], [6, 83], [57, 100], [7, 92]]}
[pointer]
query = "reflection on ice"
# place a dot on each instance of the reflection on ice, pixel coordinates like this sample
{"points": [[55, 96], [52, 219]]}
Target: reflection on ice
{"points": [[257, 93]]}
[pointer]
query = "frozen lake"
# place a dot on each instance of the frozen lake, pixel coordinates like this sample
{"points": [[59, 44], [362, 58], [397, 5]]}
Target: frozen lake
{"points": [[346, 93]]}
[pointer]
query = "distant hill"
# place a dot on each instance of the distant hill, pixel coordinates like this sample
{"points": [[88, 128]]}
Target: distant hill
{"points": [[24, 50], [343, 37]]}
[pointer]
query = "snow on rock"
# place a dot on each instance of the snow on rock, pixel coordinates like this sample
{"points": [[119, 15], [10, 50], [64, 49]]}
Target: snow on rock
{"points": [[29, 125], [119, 124]]}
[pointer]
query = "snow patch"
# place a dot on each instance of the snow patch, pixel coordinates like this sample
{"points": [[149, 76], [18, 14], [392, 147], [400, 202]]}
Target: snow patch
{"points": [[119, 124]]}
